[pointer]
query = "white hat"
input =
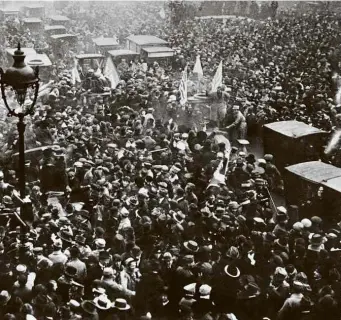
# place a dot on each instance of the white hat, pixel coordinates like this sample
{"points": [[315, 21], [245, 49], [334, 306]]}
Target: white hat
{"points": [[281, 209], [100, 243], [172, 98], [58, 243], [184, 135], [124, 212], [306, 223], [190, 288], [205, 291], [281, 271]]}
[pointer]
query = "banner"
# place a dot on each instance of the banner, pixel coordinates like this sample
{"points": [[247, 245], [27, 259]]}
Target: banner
{"points": [[162, 13], [218, 78], [183, 87], [110, 72], [198, 68], [75, 74]]}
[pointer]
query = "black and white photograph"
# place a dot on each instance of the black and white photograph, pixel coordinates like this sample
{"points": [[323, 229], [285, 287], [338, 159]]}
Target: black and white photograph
{"points": [[170, 160]]}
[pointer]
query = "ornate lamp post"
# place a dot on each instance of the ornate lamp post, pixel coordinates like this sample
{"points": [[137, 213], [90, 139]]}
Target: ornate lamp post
{"points": [[20, 78]]}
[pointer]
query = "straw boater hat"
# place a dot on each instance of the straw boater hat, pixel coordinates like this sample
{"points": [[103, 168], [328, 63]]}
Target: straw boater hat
{"points": [[232, 271], [120, 304], [102, 302], [191, 246]]}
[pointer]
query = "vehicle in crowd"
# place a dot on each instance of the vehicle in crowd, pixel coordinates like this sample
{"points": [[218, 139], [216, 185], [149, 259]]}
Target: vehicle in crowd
{"points": [[8, 13], [316, 184], [151, 54], [29, 52], [138, 42], [293, 142], [33, 24], [59, 20], [33, 58], [44, 63], [103, 45], [62, 43], [54, 30], [33, 11], [88, 61], [119, 54]]}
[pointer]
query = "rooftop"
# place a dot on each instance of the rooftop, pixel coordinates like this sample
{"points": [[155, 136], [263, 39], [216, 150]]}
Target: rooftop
{"points": [[158, 49], [105, 42], [315, 171], [144, 39], [292, 128]]}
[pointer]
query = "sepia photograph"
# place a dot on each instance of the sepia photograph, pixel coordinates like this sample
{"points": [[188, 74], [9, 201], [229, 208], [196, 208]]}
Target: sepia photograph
{"points": [[170, 160]]}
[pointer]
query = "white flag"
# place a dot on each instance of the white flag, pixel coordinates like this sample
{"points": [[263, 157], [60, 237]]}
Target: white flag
{"points": [[183, 87], [75, 74], [198, 68], [218, 78], [162, 13], [111, 73]]}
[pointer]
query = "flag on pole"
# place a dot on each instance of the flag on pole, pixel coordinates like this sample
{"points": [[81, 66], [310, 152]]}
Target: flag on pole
{"points": [[183, 87], [218, 77], [75, 74], [198, 68], [111, 73]]}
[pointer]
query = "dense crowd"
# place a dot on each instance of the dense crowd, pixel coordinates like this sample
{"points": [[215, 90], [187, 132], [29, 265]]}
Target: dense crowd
{"points": [[137, 214]]}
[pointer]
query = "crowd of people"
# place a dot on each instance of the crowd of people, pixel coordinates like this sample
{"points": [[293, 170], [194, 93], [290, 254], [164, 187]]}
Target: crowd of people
{"points": [[136, 215]]}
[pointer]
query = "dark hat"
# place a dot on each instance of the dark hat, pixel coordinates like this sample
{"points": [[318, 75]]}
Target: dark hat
{"points": [[104, 255], [268, 157], [65, 235], [89, 307], [316, 239], [251, 290], [316, 220], [80, 239], [70, 271]]}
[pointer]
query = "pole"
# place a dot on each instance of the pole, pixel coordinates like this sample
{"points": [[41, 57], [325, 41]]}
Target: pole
{"points": [[21, 130]]}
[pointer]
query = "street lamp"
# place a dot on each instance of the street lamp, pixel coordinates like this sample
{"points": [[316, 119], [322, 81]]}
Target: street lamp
{"points": [[19, 78]]}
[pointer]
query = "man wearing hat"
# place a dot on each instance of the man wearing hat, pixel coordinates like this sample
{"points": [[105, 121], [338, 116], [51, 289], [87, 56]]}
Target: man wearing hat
{"points": [[112, 288], [89, 310], [278, 291], [281, 220], [273, 176], [57, 256], [75, 262], [237, 126], [67, 287]]}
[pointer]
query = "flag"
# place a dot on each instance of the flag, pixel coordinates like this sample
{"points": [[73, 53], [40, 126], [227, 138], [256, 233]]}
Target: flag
{"points": [[75, 74], [162, 13], [111, 73], [218, 77], [183, 87], [197, 68]]}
